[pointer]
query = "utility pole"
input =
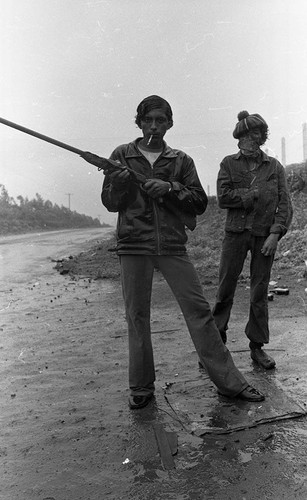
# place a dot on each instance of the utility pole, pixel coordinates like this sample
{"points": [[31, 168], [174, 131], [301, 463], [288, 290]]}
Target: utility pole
{"points": [[69, 195], [305, 141], [283, 151]]}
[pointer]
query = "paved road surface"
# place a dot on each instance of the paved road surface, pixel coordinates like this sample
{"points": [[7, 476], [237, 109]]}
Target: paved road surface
{"points": [[31, 254]]}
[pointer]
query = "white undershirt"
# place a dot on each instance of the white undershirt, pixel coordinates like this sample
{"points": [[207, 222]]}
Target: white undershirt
{"points": [[150, 155]]}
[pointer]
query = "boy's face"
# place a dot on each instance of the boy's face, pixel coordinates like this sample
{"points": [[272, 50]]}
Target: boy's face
{"points": [[255, 135], [155, 123]]}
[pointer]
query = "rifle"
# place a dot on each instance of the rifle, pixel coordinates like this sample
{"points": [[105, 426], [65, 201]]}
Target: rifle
{"points": [[104, 164]]}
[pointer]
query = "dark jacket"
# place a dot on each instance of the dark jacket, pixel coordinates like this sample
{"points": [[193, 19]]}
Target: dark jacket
{"points": [[155, 227], [257, 200]]}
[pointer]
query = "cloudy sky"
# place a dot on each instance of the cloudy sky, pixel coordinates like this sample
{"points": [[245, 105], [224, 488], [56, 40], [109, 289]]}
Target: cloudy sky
{"points": [[76, 70]]}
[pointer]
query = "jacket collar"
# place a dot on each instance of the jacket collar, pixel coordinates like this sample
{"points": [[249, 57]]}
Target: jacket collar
{"points": [[264, 156], [133, 150]]}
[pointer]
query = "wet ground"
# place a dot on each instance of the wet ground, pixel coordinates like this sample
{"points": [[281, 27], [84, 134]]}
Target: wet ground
{"points": [[68, 434]]}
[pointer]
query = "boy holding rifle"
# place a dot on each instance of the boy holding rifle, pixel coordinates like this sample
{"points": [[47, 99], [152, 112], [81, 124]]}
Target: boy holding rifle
{"points": [[152, 216], [157, 193]]}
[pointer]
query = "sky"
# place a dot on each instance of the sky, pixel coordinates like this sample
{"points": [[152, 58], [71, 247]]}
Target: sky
{"points": [[75, 70]]}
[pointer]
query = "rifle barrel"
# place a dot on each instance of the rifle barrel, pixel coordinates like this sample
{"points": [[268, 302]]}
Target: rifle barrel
{"points": [[41, 136]]}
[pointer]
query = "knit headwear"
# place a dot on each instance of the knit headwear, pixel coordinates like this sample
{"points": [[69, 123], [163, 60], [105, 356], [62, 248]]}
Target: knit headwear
{"points": [[153, 102], [248, 122]]}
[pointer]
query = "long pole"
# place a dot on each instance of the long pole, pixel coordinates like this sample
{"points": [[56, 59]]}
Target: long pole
{"points": [[41, 136], [99, 162]]}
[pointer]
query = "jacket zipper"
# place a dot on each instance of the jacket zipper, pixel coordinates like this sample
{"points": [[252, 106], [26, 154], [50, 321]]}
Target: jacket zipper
{"points": [[156, 213], [157, 226]]}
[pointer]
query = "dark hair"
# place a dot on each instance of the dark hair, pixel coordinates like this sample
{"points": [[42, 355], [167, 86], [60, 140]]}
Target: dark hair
{"points": [[153, 102], [264, 135]]}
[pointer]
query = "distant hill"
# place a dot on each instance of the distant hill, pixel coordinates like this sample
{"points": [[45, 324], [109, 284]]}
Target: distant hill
{"points": [[25, 216]]}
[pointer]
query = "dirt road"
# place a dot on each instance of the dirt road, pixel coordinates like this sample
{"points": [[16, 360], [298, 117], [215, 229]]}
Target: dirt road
{"points": [[67, 432]]}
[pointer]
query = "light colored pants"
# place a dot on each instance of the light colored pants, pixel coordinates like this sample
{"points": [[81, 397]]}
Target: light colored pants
{"points": [[180, 274]]}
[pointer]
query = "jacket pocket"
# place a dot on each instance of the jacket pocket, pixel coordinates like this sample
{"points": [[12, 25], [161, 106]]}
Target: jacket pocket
{"points": [[240, 179], [272, 177]]}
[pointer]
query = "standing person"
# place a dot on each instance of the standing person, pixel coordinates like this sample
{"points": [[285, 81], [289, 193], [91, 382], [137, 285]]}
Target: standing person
{"points": [[253, 188], [151, 233]]}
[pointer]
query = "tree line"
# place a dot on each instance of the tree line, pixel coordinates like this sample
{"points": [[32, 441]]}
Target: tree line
{"points": [[24, 215]]}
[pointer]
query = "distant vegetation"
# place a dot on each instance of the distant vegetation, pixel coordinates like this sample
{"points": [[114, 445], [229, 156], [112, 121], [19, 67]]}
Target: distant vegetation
{"points": [[37, 214], [297, 177]]}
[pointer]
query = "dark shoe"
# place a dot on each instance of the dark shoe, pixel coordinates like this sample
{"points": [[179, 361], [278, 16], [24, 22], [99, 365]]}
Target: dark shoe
{"points": [[251, 394], [136, 402], [262, 359]]}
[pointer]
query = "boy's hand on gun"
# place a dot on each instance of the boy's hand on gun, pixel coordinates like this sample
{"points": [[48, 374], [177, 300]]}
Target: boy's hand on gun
{"points": [[119, 178], [157, 188]]}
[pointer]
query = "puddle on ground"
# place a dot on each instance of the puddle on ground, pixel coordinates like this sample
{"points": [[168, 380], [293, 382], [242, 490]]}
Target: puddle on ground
{"points": [[287, 440]]}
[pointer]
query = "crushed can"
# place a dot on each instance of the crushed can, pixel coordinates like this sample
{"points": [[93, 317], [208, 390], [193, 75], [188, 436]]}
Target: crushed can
{"points": [[281, 291]]}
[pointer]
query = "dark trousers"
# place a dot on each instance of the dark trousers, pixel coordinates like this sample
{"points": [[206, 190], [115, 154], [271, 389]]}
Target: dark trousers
{"points": [[178, 271], [234, 251]]}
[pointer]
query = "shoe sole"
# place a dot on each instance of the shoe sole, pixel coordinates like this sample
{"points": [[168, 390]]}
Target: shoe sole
{"points": [[252, 400], [133, 406], [256, 400], [266, 367]]}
